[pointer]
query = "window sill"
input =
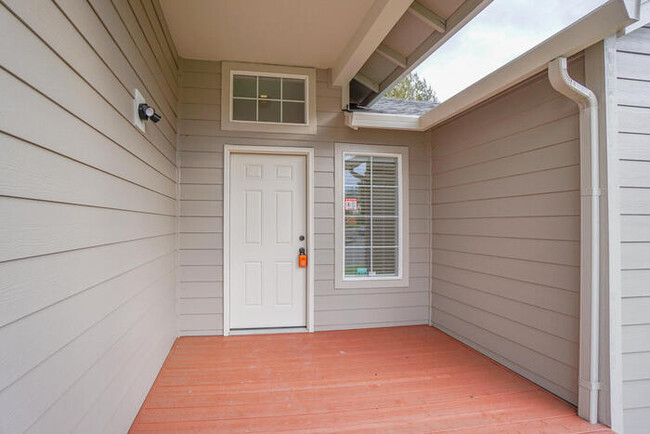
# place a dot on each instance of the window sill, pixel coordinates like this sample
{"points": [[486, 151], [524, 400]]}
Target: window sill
{"points": [[371, 283]]}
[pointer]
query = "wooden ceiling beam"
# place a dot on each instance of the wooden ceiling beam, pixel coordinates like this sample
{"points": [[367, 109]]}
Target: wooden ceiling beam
{"points": [[367, 82], [427, 16], [392, 55]]}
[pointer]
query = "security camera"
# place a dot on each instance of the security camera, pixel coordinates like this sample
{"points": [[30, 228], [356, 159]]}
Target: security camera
{"points": [[147, 112]]}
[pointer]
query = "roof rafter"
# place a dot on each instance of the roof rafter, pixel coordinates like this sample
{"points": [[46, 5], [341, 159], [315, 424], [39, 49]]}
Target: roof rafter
{"points": [[367, 82], [392, 55], [429, 17]]}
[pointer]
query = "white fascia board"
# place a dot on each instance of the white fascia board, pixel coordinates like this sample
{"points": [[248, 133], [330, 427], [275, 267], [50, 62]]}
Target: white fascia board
{"points": [[379, 21], [356, 120], [644, 17], [604, 21]]}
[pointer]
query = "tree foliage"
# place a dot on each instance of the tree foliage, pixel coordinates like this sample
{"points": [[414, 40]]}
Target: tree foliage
{"points": [[413, 88]]}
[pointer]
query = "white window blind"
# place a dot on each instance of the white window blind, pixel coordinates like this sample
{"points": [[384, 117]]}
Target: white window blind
{"points": [[372, 225]]}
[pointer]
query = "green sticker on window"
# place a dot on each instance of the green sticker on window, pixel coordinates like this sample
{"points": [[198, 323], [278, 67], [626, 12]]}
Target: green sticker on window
{"points": [[362, 271]]}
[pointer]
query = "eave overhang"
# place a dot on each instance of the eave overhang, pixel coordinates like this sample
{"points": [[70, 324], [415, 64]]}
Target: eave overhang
{"points": [[608, 19]]}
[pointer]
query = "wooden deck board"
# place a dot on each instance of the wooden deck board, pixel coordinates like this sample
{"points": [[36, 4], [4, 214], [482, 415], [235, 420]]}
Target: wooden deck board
{"points": [[398, 379]]}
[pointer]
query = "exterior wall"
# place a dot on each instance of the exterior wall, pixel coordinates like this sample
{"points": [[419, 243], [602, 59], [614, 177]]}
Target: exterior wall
{"points": [[506, 231], [87, 240], [200, 302], [633, 98]]}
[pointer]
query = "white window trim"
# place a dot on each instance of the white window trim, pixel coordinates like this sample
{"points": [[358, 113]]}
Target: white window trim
{"points": [[229, 69], [401, 153]]}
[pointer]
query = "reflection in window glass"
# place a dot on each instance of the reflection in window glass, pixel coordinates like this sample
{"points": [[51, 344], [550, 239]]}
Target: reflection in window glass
{"points": [[244, 109], [371, 206], [244, 86], [293, 89], [269, 111], [269, 88], [293, 112]]}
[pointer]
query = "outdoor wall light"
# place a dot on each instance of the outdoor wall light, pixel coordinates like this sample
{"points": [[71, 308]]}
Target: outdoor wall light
{"points": [[147, 112]]}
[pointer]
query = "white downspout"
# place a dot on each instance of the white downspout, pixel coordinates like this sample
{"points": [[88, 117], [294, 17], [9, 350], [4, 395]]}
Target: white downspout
{"points": [[588, 382]]}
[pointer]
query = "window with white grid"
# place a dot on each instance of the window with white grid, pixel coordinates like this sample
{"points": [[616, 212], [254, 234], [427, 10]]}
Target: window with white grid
{"points": [[371, 216], [269, 98]]}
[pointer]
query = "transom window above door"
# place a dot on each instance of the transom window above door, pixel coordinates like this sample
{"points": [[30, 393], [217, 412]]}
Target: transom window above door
{"points": [[259, 98], [268, 98], [371, 216]]}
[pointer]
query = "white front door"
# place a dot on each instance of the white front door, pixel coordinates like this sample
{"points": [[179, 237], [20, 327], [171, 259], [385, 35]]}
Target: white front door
{"points": [[268, 218]]}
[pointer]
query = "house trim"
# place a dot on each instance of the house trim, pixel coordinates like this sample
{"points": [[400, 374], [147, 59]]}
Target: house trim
{"points": [[379, 21], [401, 153], [308, 153], [601, 75]]}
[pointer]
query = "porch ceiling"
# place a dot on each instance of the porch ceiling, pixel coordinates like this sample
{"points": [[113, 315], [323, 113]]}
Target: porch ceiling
{"points": [[287, 32]]}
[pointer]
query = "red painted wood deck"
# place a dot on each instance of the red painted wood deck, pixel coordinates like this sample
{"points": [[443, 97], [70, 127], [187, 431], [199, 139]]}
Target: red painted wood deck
{"points": [[398, 379]]}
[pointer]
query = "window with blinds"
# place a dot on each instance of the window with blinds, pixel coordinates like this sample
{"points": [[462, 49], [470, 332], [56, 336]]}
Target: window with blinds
{"points": [[371, 186], [371, 206]]}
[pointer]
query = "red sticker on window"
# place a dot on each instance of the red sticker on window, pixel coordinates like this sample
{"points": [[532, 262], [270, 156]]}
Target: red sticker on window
{"points": [[350, 203]]}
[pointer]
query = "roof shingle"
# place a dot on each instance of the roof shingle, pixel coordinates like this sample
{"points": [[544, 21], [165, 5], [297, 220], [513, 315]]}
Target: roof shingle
{"points": [[398, 107]]}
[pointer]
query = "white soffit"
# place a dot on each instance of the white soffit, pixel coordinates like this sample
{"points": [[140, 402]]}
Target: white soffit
{"points": [[604, 21], [310, 33]]}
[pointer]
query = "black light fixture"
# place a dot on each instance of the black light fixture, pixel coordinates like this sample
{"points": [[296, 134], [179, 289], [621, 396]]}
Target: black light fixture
{"points": [[147, 112]]}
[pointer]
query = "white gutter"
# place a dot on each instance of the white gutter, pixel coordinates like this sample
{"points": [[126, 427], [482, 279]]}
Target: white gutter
{"points": [[588, 382], [358, 119], [604, 21], [644, 17]]}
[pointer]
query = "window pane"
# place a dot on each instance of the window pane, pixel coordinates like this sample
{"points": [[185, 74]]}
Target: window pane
{"points": [[269, 87], [357, 171], [243, 109], [384, 261], [384, 201], [293, 89], [371, 216], [384, 232], [293, 112], [357, 232], [269, 111], [357, 262], [244, 86], [384, 171], [362, 204]]}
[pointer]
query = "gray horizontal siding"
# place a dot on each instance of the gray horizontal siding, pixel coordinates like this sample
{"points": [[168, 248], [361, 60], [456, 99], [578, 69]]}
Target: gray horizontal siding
{"points": [[201, 141], [506, 232], [633, 98], [87, 241]]}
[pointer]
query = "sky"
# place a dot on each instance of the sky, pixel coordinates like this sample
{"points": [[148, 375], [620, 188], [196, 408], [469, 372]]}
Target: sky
{"points": [[501, 32]]}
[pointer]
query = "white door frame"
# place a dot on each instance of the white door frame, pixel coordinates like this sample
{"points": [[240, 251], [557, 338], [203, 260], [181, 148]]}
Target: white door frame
{"points": [[273, 150]]}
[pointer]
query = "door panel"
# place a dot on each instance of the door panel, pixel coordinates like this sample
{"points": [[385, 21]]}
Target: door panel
{"points": [[267, 216]]}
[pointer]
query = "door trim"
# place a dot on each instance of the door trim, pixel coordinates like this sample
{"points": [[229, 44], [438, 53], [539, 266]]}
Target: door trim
{"points": [[308, 153]]}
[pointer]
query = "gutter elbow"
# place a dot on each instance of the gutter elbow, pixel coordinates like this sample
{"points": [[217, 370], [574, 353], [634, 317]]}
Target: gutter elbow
{"points": [[349, 120]]}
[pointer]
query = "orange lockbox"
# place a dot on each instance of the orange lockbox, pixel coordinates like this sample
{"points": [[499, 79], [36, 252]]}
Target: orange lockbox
{"points": [[302, 261]]}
